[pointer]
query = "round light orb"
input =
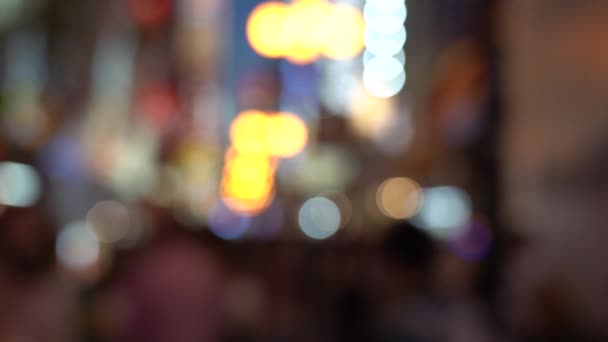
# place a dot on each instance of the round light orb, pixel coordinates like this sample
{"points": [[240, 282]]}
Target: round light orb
{"points": [[319, 218], [399, 198], [77, 249]]}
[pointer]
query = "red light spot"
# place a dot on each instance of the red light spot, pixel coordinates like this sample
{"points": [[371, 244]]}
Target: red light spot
{"points": [[157, 105], [150, 13]]}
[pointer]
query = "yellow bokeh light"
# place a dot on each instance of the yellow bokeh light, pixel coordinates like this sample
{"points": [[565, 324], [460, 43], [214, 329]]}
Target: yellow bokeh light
{"points": [[399, 198], [280, 135], [305, 30], [247, 195], [265, 29], [248, 182], [248, 132], [247, 189], [287, 135], [306, 27], [345, 37], [245, 168], [258, 140]]}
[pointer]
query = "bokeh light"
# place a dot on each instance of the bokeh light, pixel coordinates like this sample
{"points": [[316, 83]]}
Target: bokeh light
{"points": [[226, 224], [280, 135], [287, 135], [249, 131], [343, 203], [473, 244], [109, 221], [371, 116], [446, 212], [244, 168], [385, 45], [265, 29], [248, 182], [131, 168], [77, 249], [258, 140], [150, 13], [383, 76], [385, 5], [399, 198], [305, 30], [20, 185], [193, 177], [248, 198], [385, 36], [345, 36], [384, 20], [319, 218], [320, 169], [156, 104]]}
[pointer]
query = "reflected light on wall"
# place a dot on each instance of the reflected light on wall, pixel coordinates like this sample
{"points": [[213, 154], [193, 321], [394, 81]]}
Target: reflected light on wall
{"points": [[248, 183]]}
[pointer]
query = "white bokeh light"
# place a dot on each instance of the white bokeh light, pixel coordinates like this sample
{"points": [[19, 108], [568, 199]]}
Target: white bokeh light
{"points": [[77, 249], [446, 212], [384, 22], [384, 59], [385, 5], [20, 185], [385, 45], [383, 77], [109, 221], [319, 218]]}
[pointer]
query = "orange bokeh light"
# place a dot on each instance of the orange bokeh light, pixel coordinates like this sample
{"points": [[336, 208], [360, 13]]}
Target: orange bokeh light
{"points": [[305, 30]]}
